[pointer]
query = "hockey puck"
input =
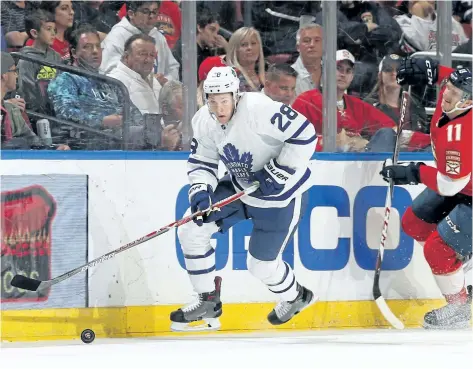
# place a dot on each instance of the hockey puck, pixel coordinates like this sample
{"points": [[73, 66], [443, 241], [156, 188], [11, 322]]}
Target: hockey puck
{"points": [[87, 336]]}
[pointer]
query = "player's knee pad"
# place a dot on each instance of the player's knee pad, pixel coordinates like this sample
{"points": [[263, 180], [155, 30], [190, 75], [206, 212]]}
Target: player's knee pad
{"points": [[441, 258], [415, 227], [269, 272], [195, 239]]}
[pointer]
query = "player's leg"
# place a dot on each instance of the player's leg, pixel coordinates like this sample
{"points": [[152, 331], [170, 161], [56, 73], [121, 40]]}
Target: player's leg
{"points": [[273, 228], [445, 250], [199, 256], [428, 209]]}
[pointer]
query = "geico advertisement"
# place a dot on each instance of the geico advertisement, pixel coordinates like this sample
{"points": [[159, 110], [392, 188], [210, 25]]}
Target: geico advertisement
{"points": [[352, 213]]}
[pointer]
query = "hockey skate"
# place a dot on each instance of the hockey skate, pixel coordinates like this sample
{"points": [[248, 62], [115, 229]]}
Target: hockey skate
{"points": [[285, 310], [204, 312], [450, 316]]}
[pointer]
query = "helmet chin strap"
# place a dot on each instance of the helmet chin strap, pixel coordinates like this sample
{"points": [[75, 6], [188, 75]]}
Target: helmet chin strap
{"points": [[457, 107]]}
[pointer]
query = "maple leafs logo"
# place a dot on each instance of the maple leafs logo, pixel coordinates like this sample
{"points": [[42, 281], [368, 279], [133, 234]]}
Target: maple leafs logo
{"points": [[239, 166]]}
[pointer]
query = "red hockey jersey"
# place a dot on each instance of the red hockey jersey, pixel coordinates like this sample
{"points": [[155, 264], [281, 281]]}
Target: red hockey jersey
{"points": [[452, 140]]}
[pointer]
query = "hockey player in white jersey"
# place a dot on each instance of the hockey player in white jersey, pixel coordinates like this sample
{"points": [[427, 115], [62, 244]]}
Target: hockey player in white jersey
{"points": [[257, 139]]}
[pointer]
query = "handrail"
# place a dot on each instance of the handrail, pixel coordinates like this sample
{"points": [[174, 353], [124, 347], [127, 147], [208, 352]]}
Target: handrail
{"points": [[85, 73], [455, 56]]}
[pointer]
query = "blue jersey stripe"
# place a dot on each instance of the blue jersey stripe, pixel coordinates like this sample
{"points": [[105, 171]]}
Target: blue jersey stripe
{"points": [[301, 142], [202, 271], [301, 129], [208, 253], [283, 167], [236, 184], [203, 168], [196, 161]]}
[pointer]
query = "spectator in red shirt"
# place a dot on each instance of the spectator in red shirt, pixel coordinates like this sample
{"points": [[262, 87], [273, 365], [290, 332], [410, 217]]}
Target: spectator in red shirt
{"points": [[64, 18], [357, 121], [169, 22]]}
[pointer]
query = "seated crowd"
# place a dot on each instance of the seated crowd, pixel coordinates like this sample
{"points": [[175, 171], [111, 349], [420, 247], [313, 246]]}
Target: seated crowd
{"points": [[124, 70]]}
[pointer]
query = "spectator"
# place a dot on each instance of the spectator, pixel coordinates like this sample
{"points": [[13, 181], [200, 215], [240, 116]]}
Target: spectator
{"points": [[172, 108], [169, 22], [308, 65], [209, 63], [463, 49], [141, 18], [376, 33], [462, 12], [13, 22], [15, 131], [87, 101], [420, 28], [209, 42], [135, 71], [33, 77], [245, 53], [281, 83], [64, 19], [278, 32], [96, 14], [386, 96], [357, 121]]}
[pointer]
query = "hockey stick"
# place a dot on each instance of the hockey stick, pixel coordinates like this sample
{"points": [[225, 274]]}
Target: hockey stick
{"points": [[31, 284], [378, 297]]}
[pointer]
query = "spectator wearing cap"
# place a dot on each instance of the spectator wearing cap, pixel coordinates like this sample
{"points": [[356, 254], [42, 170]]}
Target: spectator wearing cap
{"points": [[357, 121], [15, 131], [386, 96], [135, 71], [281, 83], [308, 65], [141, 18]]}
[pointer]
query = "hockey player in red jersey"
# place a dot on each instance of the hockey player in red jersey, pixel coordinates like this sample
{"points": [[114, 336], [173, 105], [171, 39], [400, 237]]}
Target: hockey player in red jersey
{"points": [[441, 216]]}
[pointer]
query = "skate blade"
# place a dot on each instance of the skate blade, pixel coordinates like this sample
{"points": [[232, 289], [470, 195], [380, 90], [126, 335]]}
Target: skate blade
{"points": [[200, 326], [312, 302], [454, 326]]}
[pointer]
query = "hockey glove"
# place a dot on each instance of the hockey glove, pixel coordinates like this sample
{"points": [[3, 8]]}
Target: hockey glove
{"points": [[417, 71], [200, 197], [401, 174], [271, 178]]}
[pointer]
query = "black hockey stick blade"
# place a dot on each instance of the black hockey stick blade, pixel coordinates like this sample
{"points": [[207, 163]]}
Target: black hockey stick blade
{"points": [[25, 283]]}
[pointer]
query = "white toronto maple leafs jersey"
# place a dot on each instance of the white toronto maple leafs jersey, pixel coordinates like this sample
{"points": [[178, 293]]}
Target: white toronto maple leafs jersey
{"points": [[260, 130]]}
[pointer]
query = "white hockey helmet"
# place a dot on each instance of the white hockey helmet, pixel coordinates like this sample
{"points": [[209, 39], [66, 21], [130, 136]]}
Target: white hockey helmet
{"points": [[221, 80]]}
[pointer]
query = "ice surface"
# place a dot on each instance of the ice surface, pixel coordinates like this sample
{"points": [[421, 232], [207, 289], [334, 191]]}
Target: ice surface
{"points": [[315, 349]]}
